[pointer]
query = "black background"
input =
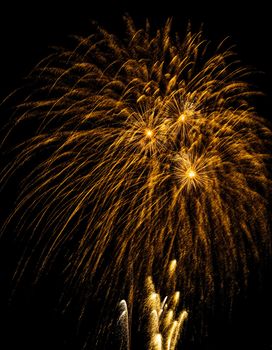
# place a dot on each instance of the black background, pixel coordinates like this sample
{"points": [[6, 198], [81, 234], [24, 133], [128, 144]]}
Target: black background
{"points": [[27, 31]]}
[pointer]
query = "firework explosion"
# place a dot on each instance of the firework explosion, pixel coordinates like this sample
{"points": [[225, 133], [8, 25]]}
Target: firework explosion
{"points": [[146, 150]]}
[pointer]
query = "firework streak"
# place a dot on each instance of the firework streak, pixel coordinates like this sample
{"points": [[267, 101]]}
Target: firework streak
{"points": [[146, 150]]}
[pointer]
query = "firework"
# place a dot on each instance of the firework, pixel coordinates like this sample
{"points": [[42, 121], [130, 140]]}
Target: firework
{"points": [[164, 324], [123, 324], [141, 151]]}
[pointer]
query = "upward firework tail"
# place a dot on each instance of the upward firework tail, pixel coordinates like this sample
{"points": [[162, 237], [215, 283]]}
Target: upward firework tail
{"points": [[147, 150], [123, 325], [163, 323]]}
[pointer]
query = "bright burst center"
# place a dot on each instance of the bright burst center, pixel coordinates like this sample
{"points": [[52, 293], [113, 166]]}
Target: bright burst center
{"points": [[191, 174], [182, 117], [149, 133]]}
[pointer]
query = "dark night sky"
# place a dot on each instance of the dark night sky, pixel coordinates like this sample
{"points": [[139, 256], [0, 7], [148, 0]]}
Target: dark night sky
{"points": [[26, 32]]}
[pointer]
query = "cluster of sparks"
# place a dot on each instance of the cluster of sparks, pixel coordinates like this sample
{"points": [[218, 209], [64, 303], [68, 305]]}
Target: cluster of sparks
{"points": [[148, 151], [164, 323]]}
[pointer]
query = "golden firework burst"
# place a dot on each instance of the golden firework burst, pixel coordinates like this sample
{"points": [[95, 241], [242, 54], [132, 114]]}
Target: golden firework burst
{"points": [[145, 149]]}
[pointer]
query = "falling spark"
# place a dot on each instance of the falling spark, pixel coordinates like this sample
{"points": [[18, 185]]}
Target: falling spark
{"points": [[143, 149], [172, 267]]}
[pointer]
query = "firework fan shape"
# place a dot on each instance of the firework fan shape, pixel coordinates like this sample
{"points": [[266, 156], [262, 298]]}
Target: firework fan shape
{"points": [[164, 326], [146, 150]]}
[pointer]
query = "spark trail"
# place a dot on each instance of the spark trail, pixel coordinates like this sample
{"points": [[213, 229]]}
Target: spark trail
{"points": [[143, 149], [163, 323], [123, 324]]}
